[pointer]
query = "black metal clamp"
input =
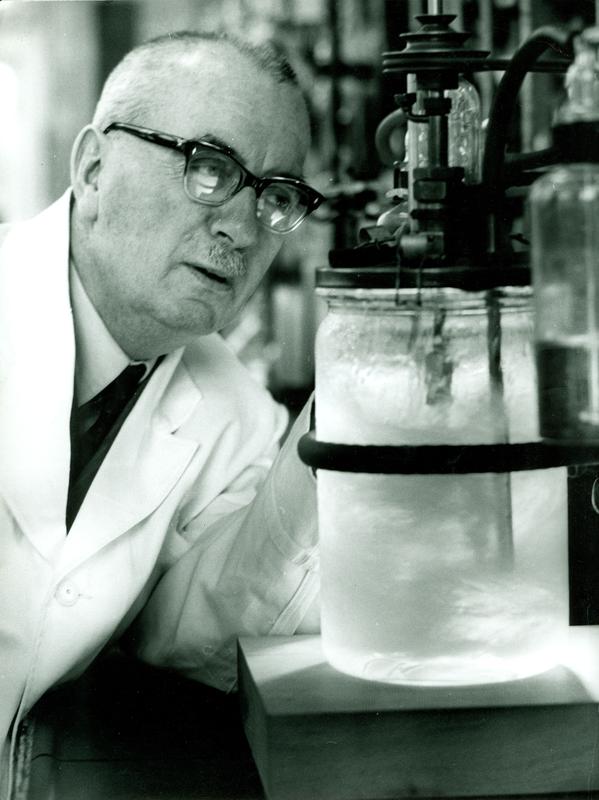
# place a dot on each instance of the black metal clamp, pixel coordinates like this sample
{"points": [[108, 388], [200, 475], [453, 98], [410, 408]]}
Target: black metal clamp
{"points": [[440, 459]]}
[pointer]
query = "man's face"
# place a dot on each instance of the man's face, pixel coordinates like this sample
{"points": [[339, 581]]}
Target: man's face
{"points": [[167, 268]]}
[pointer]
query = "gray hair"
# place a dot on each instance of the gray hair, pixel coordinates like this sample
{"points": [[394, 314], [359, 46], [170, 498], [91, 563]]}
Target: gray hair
{"points": [[132, 83]]}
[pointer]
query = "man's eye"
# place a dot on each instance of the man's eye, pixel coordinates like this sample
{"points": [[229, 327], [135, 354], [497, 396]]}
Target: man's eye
{"points": [[281, 199], [208, 173]]}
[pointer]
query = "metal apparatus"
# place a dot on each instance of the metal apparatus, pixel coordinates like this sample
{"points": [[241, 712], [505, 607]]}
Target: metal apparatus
{"points": [[449, 529]]}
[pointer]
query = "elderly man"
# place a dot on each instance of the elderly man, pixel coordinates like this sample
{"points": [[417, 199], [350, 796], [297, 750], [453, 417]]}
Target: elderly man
{"points": [[139, 502]]}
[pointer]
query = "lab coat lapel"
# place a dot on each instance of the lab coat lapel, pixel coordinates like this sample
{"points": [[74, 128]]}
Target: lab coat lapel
{"points": [[37, 356], [148, 457]]}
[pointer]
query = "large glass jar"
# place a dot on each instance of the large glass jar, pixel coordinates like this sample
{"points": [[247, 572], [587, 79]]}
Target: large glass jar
{"points": [[436, 578]]}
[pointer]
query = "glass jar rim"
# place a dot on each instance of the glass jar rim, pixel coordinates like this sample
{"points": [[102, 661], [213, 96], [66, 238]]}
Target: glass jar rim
{"points": [[407, 300]]}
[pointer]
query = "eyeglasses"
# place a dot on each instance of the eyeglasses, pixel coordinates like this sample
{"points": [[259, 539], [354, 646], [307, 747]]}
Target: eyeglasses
{"points": [[213, 175]]}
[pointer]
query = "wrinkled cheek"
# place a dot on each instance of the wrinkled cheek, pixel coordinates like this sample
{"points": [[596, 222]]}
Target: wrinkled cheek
{"points": [[130, 207], [262, 262]]}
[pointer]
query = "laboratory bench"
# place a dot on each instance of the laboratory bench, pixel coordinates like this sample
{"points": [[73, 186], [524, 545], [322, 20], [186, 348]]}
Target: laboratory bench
{"points": [[128, 731]]}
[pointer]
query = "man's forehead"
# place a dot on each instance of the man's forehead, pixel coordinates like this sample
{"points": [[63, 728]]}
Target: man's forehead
{"points": [[237, 103]]}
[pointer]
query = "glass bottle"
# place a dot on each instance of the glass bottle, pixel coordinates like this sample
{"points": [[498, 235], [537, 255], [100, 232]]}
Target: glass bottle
{"points": [[464, 132], [564, 214]]}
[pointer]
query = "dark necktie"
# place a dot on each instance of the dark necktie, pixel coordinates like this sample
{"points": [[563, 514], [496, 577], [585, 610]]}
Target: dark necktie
{"points": [[107, 411]]}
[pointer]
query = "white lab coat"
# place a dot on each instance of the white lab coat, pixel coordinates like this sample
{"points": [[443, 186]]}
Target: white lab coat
{"points": [[167, 512]]}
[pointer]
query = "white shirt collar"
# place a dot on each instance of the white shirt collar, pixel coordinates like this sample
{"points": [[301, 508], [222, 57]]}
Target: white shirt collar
{"points": [[99, 359]]}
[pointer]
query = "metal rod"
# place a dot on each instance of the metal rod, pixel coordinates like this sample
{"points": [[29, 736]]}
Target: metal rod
{"points": [[334, 28], [435, 6], [525, 29], [438, 142], [485, 38], [502, 484]]}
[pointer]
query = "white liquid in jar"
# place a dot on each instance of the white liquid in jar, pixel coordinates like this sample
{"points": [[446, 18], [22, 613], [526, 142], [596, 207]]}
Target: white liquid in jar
{"points": [[420, 585]]}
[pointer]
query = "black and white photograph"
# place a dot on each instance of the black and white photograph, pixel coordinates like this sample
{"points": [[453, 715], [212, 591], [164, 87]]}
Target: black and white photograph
{"points": [[299, 399]]}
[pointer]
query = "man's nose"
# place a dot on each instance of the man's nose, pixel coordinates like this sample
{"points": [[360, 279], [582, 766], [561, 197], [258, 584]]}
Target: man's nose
{"points": [[236, 219]]}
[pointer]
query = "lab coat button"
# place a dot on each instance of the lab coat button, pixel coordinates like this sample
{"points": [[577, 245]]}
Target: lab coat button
{"points": [[66, 593]]}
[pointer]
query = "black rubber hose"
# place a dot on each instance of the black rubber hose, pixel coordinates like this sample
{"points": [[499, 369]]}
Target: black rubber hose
{"points": [[502, 110], [507, 92]]}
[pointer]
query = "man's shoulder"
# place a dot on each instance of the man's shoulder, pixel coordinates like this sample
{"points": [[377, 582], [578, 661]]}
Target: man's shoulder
{"points": [[5, 228], [209, 359], [45, 223], [227, 386]]}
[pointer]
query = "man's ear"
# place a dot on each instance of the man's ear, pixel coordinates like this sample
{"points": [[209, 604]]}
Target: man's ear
{"points": [[86, 159]]}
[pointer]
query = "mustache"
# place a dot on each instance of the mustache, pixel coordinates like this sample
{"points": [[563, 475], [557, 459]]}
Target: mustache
{"points": [[229, 261]]}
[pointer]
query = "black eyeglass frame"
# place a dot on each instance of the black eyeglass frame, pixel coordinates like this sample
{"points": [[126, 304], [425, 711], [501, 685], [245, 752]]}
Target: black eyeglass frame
{"points": [[189, 147]]}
